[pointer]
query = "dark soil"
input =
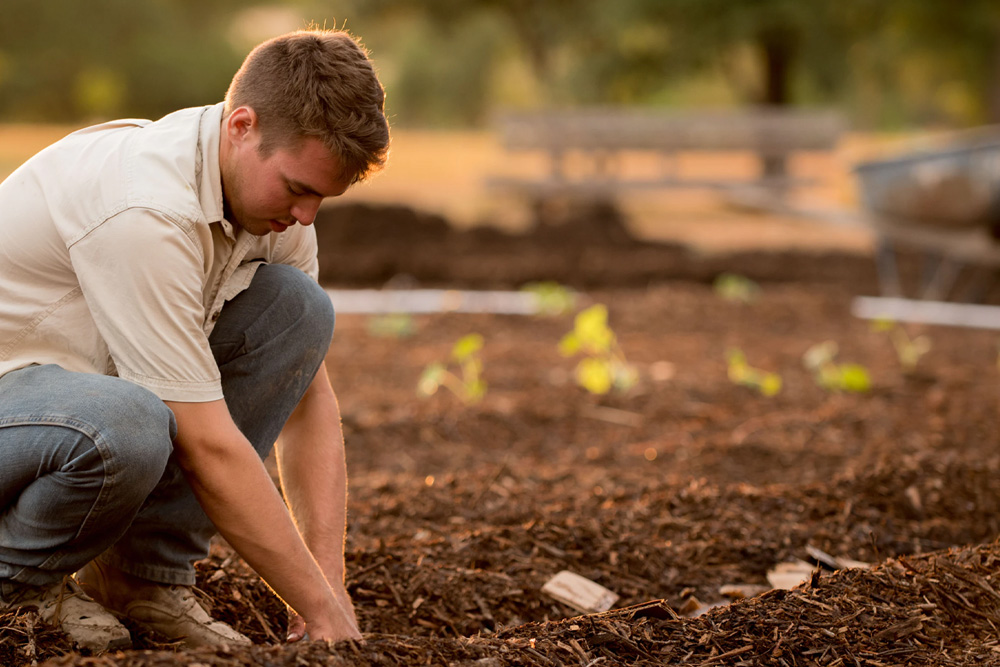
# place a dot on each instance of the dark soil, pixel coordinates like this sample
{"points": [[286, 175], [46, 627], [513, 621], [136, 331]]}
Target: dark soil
{"points": [[585, 246], [460, 513]]}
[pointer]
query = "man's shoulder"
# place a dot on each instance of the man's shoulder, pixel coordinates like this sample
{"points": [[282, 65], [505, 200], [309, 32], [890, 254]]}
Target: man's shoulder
{"points": [[163, 163], [165, 166], [160, 165]]}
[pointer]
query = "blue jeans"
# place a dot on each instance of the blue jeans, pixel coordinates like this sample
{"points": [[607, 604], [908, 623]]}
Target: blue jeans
{"points": [[86, 461]]}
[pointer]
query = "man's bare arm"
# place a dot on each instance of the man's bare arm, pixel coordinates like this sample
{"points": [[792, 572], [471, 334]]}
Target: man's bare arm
{"points": [[314, 478], [237, 494]]}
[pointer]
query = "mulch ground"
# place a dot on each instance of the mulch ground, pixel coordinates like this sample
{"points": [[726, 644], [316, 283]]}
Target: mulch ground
{"points": [[686, 484]]}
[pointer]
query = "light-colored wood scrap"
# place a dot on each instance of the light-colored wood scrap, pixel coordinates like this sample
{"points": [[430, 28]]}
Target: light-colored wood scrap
{"points": [[789, 575], [741, 591], [580, 593], [833, 562]]}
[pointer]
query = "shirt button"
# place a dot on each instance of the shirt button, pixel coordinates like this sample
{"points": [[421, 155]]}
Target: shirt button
{"points": [[215, 315]]}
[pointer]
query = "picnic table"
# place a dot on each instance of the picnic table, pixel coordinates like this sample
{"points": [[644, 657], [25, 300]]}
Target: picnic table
{"points": [[600, 136]]}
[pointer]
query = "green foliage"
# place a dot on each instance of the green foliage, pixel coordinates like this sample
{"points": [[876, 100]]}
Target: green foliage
{"points": [[603, 366], [908, 350], [733, 287], [948, 56], [741, 373], [907, 61], [428, 85], [820, 359], [65, 60], [551, 298], [392, 325], [468, 385], [449, 61]]}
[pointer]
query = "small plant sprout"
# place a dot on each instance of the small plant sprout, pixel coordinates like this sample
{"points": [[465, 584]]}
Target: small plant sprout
{"points": [[908, 350], [551, 298], [741, 373], [820, 359], [734, 287], [392, 325], [603, 366], [468, 384]]}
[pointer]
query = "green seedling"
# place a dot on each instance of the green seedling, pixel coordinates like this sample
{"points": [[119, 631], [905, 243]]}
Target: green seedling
{"points": [[392, 325], [551, 298], [603, 366], [733, 287], [468, 384], [741, 373], [908, 350], [820, 359]]}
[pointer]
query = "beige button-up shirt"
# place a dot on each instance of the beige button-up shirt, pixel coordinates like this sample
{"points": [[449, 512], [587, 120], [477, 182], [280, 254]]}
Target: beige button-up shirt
{"points": [[115, 257]]}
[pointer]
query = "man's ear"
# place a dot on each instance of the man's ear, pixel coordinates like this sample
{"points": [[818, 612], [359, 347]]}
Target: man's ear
{"points": [[241, 125]]}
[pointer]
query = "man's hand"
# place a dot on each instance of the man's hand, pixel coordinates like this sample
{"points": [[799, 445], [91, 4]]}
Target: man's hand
{"points": [[297, 629]]}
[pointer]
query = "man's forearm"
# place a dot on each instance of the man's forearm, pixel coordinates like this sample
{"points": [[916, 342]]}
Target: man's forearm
{"points": [[313, 475], [236, 493]]}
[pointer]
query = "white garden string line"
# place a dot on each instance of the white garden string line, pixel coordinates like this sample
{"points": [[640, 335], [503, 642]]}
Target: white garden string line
{"points": [[375, 301], [927, 312]]}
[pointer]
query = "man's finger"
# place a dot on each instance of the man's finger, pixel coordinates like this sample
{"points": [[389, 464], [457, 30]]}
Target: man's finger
{"points": [[296, 628]]}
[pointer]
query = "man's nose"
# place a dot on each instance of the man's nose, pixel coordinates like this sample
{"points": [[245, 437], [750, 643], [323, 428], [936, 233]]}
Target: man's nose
{"points": [[305, 210]]}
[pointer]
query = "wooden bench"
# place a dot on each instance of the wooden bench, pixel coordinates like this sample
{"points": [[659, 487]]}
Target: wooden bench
{"points": [[601, 136]]}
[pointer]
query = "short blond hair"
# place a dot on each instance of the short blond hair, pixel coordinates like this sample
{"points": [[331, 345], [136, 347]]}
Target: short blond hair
{"points": [[316, 83]]}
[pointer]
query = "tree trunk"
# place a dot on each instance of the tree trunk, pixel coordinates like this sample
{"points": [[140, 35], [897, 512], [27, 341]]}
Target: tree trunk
{"points": [[993, 89], [778, 50]]}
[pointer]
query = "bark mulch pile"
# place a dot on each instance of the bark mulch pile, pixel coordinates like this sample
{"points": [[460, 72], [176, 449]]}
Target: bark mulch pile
{"points": [[938, 609]]}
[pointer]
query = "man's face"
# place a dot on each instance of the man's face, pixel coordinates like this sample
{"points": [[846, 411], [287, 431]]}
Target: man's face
{"points": [[269, 194]]}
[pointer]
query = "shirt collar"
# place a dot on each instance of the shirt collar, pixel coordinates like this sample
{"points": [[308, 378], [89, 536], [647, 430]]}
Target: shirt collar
{"points": [[210, 187]]}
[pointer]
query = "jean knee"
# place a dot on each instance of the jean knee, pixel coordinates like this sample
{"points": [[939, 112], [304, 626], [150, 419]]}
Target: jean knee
{"points": [[138, 437], [304, 302]]}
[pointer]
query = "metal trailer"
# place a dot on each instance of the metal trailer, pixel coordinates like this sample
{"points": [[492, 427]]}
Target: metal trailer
{"points": [[942, 205]]}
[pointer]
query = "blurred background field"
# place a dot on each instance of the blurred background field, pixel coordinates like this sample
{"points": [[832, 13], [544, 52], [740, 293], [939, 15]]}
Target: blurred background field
{"points": [[444, 172], [897, 71]]}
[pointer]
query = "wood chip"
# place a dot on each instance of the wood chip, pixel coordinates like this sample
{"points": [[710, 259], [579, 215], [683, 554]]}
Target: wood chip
{"points": [[790, 574], [580, 593]]}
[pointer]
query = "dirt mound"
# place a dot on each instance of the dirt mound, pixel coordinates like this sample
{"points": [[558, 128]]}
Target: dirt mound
{"points": [[584, 246]]}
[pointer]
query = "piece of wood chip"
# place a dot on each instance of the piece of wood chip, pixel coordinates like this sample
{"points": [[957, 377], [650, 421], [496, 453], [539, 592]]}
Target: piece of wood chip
{"points": [[790, 574], [580, 593], [741, 591], [833, 562]]}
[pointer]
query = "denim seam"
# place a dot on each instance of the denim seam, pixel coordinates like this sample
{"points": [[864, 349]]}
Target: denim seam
{"points": [[184, 576]]}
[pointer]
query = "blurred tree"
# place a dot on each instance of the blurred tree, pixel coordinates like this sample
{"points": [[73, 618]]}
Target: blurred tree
{"points": [[958, 47], [542, 30], [772, 51], [452, 61], [68, 60], [627, 52], [434, 76]]}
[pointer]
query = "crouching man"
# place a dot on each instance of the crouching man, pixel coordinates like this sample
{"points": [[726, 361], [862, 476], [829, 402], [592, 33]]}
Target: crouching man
{"points": [[160, 325]]}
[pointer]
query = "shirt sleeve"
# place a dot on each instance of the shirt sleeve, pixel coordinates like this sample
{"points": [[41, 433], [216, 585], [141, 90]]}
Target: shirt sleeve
{"points": [[143, 277]]}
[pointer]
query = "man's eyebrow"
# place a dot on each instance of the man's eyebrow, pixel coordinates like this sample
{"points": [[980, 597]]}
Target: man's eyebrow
{"points": [[298, 185]]}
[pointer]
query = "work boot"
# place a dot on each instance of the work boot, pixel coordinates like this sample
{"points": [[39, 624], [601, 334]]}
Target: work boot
{"points": [[68, 608], [168, 610]]}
